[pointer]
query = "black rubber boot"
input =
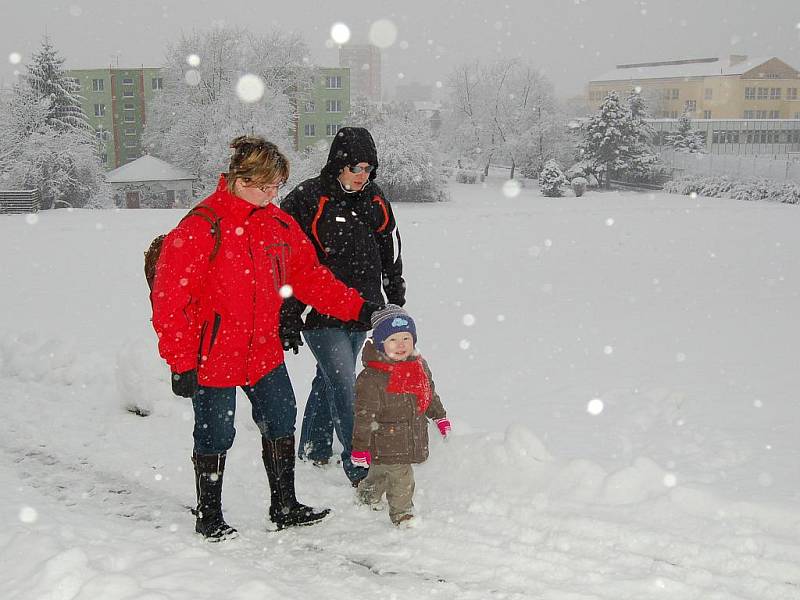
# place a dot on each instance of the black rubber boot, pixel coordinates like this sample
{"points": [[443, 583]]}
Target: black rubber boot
{"points": [[208, 470], [285, 510]]}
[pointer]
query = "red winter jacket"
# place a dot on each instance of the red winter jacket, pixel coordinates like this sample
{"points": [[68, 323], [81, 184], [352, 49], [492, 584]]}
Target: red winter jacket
{"points": [[221, 316]]}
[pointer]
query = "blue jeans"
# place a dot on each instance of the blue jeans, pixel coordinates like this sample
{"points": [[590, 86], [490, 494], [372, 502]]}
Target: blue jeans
{"points": [[330, 403], [274, 411]]}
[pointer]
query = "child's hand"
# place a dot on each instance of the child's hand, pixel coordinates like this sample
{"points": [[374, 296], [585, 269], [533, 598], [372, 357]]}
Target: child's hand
{"points": [[444, 426], [361, 458]]}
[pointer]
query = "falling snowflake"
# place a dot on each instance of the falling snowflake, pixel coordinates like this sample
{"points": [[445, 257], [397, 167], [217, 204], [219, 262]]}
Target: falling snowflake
{"points": [[464, 344], [250, 88], [340, 33], [608, 350], [468, 320], [28, 514], [193, 60], [15, 58], [595, 406], [286, 291], [383, 33], [192, 77], [609, 221], [670, 480], [511, 188]]}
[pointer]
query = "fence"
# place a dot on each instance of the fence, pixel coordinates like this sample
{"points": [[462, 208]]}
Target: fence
{"points": [[19, 201], [777, 169]]}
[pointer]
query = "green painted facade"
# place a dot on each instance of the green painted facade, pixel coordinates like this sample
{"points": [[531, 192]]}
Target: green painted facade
{"points": [[116, 102], [324, 108]]}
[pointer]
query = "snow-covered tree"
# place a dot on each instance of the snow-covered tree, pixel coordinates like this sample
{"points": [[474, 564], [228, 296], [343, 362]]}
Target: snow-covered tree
{"points": [[686, 139], [613, 142], [551, 178], [45, 139], [199, 111], [409, 168], [504, 111]]}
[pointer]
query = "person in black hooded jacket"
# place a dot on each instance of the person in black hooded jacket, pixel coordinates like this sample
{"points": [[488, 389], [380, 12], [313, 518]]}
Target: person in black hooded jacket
{"points": [[350, 222]]}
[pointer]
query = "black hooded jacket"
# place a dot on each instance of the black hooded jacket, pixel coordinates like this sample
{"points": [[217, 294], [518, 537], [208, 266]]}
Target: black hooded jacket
{"points": [[354, 233]]}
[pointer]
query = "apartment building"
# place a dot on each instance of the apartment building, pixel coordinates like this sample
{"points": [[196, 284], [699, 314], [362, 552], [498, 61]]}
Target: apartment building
{"points": [[323, 108], [115, 101]]}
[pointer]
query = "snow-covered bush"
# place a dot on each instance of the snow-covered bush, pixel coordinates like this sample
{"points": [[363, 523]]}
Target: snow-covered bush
{"points": [[551, 179], [750, 189], [578, 185], [467, 176]]}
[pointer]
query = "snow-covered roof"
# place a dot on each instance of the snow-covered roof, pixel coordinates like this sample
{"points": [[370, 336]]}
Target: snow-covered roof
{"points": [[147, 168], [703, 67]]}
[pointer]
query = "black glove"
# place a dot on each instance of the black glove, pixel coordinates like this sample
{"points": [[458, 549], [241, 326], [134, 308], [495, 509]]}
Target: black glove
{"points": [[291, 340], [365, 314], [185, 384], [395, 291], [289, 332]]}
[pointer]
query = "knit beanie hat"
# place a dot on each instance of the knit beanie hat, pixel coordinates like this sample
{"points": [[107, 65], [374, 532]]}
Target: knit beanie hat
{"points": [[390, 320], [350, 146]]}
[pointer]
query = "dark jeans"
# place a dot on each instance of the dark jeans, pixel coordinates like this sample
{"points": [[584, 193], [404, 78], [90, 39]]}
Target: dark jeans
{"points": [[330, 403], [274, 411]]}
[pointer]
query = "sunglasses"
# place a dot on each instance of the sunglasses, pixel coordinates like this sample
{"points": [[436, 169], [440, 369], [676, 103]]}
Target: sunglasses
{"points": [[355, 170]]}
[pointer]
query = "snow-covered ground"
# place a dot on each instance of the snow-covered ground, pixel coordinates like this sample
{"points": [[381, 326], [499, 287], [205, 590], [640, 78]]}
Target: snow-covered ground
{"points": [[620, 370]]}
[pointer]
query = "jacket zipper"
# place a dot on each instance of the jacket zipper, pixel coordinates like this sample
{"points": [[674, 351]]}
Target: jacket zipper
{"points": [[253, 319]]}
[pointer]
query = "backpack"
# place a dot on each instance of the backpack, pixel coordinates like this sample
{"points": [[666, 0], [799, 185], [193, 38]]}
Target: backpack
{"points": [[154, 251]]}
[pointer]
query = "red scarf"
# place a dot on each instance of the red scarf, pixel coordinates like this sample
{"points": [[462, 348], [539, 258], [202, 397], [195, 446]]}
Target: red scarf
{"points": [[407, 377]]}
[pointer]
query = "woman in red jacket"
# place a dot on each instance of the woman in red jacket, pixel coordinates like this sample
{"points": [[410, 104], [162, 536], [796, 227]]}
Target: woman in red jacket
{"points": [[220, 280]]}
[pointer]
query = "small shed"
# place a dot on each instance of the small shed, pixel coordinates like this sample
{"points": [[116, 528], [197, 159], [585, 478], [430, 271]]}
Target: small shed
{"points": [[149, 182]]}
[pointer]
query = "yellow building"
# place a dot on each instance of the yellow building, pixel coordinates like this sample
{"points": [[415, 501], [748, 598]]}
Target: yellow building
{"points": [[736, 87]]}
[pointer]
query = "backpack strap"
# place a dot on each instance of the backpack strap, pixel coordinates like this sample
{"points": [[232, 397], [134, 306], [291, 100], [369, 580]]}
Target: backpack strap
{"points": [[209, 216]]}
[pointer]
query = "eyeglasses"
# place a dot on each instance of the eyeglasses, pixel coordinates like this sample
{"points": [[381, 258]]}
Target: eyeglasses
{"points": [[270, 186], [355, 169]]}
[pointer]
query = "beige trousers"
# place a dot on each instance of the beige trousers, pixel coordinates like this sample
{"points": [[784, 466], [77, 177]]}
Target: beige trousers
{"points": [[396, 481]]}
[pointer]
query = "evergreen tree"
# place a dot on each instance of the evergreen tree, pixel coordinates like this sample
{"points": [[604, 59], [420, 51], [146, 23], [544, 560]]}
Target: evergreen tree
{"points": [[46, 141], [58, 93], [551, 178], [686, 139], [614, 142]]}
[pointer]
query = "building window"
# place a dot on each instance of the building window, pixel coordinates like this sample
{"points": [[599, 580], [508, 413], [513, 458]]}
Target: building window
{"points": [[310, 106], [797, 115], [333, 106], [128, 106], [130, 131], [127, 92], [331, 129], [131, 144], [749, 93], [763, 93], [709, 94], [157, 83], [127, 81], [774, 114], [773, 76], [761, 114], [690, 105], [333, 82], [129, 118], [706, 114], [749, 114], [310, 130], [101, 134], [791, 93], [774, 93], [99, 110], [674, 114], [675, 93], [98, 85]]}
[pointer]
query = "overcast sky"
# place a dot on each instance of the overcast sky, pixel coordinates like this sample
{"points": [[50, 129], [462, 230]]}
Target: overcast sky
{"points": [[571, 40]]}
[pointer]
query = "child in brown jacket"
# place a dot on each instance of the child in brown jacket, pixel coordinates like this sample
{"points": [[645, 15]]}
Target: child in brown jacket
{"points": [[395, 397]]}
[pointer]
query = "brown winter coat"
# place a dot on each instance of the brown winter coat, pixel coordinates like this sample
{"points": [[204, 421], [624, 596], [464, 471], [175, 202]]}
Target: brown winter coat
{"points": [[389, 425]]}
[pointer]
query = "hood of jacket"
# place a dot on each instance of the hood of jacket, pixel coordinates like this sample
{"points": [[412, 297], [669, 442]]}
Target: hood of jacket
{"points": [[350, 146]]}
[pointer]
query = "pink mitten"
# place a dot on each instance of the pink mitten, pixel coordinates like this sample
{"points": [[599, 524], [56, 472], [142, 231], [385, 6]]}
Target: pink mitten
{"points": [[361, 458], [444, 426]]}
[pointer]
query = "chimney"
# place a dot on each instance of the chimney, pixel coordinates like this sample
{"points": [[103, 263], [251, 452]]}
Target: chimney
{"points": [[735, 59]]}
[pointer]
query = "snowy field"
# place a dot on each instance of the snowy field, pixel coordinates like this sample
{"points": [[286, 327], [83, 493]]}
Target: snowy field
{"points": [[621, 372]]}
